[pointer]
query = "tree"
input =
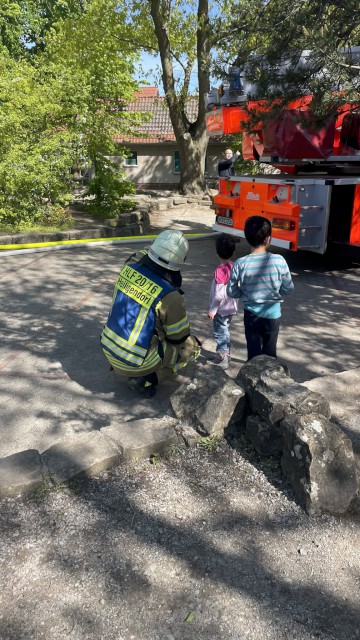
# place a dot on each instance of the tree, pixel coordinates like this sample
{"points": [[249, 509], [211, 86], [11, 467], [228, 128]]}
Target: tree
{"points": [[297, 49], [61, 107], [208, 38], [181, 33], [24, 24]]}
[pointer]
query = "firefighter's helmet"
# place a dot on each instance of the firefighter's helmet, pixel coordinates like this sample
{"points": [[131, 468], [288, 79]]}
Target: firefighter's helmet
{"points": [[169, 250]]}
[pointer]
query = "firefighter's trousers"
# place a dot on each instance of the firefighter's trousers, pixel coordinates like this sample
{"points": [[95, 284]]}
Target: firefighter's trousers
{"points": [[175, 358]]}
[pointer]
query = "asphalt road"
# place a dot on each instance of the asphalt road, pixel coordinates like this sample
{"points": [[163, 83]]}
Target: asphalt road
{"points": [[55, 381]]}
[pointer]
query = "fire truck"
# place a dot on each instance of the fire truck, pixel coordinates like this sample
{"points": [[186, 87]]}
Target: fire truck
{"points": [[313, 200]]}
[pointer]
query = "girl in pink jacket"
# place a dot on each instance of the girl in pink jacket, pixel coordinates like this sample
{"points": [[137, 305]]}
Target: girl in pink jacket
{"points": [[221, 306]]}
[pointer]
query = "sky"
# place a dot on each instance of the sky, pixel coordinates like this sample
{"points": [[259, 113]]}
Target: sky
{"points": [[149, 63]]}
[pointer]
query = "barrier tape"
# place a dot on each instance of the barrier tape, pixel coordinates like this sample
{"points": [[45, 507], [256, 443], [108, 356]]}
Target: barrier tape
{"points": [[34, 247]]}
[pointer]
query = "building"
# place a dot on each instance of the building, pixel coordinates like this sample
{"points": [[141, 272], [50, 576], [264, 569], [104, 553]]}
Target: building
{"points": [[154, 162]]}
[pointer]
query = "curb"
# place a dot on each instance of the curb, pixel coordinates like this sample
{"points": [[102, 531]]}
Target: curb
{"points": [[34, 247], [85, 456], [101, 231]]}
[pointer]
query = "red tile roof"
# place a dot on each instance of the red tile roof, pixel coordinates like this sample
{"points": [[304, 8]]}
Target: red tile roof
{"points": [[158, 128]]}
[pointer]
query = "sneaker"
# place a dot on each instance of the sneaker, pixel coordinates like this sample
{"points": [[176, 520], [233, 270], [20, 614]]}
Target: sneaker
{"points": [[222, 360], [217, 357]]}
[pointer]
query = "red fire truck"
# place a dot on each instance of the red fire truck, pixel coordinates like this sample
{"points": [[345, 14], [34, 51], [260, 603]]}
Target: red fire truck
{"points": [[313, 203]]}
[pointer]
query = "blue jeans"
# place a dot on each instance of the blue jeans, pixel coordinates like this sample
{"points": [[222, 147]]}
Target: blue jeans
{"points": [[261, 334], [221, 327]]}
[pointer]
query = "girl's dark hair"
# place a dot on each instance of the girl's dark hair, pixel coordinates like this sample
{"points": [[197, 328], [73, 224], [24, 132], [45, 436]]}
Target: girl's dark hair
{"points": [[225, 246], [257, 229]]}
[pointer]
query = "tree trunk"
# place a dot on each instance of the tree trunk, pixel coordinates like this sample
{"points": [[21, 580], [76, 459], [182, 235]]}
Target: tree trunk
{"points": [[192, 164], [191, 137]]}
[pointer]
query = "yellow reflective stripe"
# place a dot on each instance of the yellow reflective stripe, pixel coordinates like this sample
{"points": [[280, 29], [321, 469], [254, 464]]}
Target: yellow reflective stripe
{"points": [[177, 327], [149, 363], [123, 343], [138, 326], [130, 357], [180, 365]]}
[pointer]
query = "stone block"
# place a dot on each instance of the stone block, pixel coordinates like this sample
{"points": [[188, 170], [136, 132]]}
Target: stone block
{"points": [[257, 369], [93, 233], [143, 209], [190, 436], [179, 201], [28, 238], [20, 473], [85, 455], [76, 235], [124, 219], [208, 403], [162, 206], [119, 232], [143, 438], [112, 222], [267, 439], [318, 460], [274, 398], [8, 240]]}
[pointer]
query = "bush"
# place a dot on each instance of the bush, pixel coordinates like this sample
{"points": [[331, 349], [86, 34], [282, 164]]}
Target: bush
{"points": [[56, 216], [109, 188]]}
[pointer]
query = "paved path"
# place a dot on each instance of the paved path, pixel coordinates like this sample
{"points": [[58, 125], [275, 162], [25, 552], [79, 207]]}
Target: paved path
{"points": [[55, 382]]}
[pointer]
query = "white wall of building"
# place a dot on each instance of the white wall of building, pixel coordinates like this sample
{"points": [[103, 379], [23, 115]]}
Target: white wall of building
{"points": [[155, 163]]}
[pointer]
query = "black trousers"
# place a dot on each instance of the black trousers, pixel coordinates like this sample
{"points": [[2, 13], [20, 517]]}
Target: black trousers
{"points": [[261, 334]]}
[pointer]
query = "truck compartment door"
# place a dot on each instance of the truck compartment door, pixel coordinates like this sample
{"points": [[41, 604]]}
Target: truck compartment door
{"points": [[314, 200]]}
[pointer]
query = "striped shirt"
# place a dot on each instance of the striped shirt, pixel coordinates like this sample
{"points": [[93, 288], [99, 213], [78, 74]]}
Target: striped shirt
{"points": [[260, 279]]}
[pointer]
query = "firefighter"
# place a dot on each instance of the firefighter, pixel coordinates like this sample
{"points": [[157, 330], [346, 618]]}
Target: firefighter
{"points": [[147, 334]]}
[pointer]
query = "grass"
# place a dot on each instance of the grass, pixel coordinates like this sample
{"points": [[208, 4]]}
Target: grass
{"points": [[8, 229], [42, 493], [210, 443], [124, 206]]}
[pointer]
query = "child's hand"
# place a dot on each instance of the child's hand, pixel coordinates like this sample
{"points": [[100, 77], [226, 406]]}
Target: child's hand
{"points": [[211, 315]]}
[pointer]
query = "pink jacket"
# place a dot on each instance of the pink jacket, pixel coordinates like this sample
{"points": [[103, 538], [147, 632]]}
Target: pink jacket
{"points": [[219, 300]]}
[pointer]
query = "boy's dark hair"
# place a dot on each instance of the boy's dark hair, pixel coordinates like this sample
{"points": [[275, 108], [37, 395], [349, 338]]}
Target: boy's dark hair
{"points": [[257, 229], [225, 246]]}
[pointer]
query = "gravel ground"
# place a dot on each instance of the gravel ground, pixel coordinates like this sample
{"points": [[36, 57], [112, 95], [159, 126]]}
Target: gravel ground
{"points": [[201, 544]]}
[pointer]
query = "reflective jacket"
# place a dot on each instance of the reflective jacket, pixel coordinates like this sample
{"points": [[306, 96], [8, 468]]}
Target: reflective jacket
{"points": [[130, 338]]}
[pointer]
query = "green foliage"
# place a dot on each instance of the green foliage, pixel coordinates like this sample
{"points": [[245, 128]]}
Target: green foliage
{"points": [[42, 493], [57, 217], [270, 38], [155, 459], [210, 443], [61, 103], [109, 188], [35, 154]]}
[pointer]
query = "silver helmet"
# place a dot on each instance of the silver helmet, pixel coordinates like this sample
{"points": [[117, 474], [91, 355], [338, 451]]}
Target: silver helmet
{"points": [[169, 250]]}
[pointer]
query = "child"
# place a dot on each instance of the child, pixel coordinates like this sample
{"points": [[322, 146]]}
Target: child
{"points": [[260, 279], [222, 308]]}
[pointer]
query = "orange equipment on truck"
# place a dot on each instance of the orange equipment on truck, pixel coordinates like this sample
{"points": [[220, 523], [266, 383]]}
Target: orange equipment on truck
{"points": [[314, 202]]}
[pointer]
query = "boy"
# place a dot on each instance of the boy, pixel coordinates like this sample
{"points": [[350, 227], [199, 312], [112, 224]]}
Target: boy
{"points": [[222, 308], [260, 279]]}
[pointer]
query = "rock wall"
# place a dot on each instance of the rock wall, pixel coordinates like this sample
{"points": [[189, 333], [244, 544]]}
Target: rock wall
{"points": [[210, 403], [137, 222], [286, 419]]}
